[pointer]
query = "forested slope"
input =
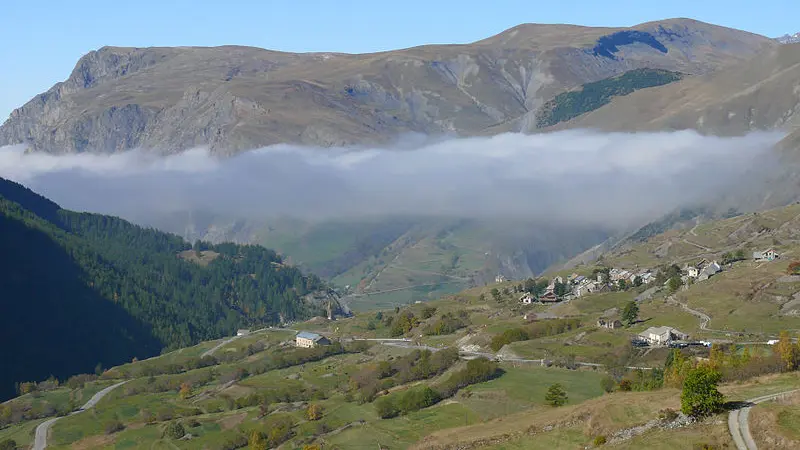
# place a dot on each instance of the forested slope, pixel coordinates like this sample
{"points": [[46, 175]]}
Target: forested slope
{"points": [[77, 289]]}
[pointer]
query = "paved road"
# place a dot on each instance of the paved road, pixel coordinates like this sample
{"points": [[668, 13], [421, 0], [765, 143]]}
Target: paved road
{"points": [[219, 346], [740, 428], [406, 343], [40, 441], [233, 338]]}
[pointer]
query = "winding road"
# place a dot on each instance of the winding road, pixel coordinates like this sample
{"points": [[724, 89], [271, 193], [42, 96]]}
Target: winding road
{"points": [[40, 441], [740, 428], [211, 351]]}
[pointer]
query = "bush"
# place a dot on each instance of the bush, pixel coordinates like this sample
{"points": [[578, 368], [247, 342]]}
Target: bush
{"points": [[599, 440], [428, 312], [507, 337], [386, 407], [417, 398], [447, 324], [478, 370], [403, 323], [279, 430], [8, 444], [174, 430], [608, 384], [193, 423], [114, 426]]}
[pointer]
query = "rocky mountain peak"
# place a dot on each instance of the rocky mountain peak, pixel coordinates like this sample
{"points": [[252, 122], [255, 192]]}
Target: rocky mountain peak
{"points": [[789, 38]]}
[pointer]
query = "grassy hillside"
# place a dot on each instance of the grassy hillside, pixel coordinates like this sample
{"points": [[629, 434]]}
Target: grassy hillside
{"points": [[89, 289], [399, 260], [261, 385], [592, 96]]}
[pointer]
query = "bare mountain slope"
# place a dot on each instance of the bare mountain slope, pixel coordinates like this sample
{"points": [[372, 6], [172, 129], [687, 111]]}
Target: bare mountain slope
{"points": [[237, 98], [761, 94]]}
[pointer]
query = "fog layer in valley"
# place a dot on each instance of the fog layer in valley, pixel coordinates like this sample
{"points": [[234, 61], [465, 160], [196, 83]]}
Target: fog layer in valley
{"points": [[581, 177]]}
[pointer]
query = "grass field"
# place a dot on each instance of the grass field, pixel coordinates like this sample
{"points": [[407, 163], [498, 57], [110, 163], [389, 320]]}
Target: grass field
{"points": [[776, 424], [22, 433]]}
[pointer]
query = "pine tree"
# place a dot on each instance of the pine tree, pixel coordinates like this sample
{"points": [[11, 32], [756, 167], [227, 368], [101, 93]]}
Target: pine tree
{"points": [[630, 313], [555, 395]]}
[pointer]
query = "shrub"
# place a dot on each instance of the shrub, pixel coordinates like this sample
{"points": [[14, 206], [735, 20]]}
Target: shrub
{"points": [[174, 430], [608, 384], [114, 426], [403, 323], [507, 337], [478, 370], [279, 430], [417, 398], [446, 324], [193, 423], [8, 444], [599, 440], [428, 312], [386, 407], [625, 386]]}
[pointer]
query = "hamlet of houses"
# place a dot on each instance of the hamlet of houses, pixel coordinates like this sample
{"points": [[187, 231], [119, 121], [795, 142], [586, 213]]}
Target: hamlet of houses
{"points": [[576, 286], [579, 285]]}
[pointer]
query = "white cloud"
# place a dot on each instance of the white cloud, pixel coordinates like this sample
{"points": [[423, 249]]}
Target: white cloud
{"points": [[583, 176]]}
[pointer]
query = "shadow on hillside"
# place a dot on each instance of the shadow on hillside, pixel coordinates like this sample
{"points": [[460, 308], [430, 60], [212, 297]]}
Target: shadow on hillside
{"points": [[53, 320]]}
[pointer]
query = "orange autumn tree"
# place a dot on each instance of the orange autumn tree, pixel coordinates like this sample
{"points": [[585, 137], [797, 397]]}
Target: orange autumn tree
{"points": [[787, 351], [186, 390]]}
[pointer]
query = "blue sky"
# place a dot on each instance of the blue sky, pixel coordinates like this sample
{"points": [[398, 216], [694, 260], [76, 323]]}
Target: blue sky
{"points": [[42, 40]]}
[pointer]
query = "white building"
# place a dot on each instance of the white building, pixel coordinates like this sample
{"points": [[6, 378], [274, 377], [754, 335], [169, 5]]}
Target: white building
{"points": [[709, 271], [526, 299], [659, 336], [766, 255], [242, 332], [306, 339]]}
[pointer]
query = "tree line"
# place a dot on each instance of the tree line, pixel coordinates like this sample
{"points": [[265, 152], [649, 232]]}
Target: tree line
{"points": [[82, 288]]}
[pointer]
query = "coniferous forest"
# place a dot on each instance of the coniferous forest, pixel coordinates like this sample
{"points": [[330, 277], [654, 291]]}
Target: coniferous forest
{"points": [[78, 289]]}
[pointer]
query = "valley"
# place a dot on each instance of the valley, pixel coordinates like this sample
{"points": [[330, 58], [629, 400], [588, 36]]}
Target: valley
{"points": [[557, 236], [220, 394]]}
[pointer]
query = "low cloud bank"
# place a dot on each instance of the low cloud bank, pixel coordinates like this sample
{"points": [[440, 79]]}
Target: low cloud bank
{"points": [[611, 179]]}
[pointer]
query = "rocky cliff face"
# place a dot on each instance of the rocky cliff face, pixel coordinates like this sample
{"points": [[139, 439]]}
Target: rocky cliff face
{"points": [[237, 98]]}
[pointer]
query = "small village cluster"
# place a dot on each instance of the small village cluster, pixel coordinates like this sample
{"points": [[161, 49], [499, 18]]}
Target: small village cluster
{"points": [[576, 286]]}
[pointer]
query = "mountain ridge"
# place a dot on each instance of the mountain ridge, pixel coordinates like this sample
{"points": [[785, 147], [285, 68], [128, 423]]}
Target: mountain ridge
{"points": [[234, 98]]}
